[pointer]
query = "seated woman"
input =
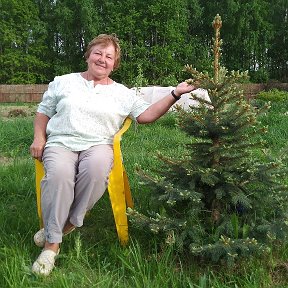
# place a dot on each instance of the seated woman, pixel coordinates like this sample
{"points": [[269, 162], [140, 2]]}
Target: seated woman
{"points": [[73, 135]]}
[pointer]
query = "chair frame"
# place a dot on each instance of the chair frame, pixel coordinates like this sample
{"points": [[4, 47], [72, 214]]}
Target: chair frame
{"points": [[118, 187]]}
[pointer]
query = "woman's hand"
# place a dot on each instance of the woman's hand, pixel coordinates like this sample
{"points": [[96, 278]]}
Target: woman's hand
{"points": [[183, 88], [37, 148], [159, 108]]}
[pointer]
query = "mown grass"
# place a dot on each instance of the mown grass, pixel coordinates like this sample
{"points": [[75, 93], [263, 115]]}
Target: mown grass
{"points": [[92, 256]]}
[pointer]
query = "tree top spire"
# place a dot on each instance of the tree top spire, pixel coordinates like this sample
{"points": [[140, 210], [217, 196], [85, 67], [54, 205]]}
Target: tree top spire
{"points": [[217, 24]]}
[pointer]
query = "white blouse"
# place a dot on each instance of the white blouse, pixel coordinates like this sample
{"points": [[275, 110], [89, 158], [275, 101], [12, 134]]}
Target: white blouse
{"points": [[82, 115]]}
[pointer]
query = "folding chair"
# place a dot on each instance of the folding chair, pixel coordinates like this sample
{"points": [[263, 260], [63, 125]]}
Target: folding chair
{"points": [[118, 187]]}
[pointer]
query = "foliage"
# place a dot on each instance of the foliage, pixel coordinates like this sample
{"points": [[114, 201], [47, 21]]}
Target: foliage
{"points": [[273, 95], [22, 45], [42, 38], [219, 200], [280, 39], [139, 80]]}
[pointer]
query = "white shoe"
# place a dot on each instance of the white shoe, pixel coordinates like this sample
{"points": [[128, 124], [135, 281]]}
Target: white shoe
{"points": [[39, 238], [44, 263]]}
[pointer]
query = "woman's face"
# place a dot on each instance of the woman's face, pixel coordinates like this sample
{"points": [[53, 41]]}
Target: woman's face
{"points": [[101, 61]]}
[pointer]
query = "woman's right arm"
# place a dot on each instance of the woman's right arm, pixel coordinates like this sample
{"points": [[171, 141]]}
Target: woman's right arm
{"points": [[40, 124]]}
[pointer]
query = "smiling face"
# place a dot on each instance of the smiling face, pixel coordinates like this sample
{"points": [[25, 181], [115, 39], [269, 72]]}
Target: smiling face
{"points": [[102, 56], [101, 61]]}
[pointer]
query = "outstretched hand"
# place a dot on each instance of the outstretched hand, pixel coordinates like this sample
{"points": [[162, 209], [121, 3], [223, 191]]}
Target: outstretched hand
{"points": [[183, 88]]}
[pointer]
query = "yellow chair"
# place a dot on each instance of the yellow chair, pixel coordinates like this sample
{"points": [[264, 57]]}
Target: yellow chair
{"points": [[118, 188]]}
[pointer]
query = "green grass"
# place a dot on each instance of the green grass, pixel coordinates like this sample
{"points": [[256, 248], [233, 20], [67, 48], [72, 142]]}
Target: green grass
{"points": [[276, 120], [92, 256]]}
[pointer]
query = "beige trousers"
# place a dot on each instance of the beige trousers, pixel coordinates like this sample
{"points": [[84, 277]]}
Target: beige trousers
{"points": [[73, 183]]}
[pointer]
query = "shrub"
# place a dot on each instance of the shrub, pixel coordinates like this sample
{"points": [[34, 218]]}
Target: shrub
{"points": [[273, 95]]}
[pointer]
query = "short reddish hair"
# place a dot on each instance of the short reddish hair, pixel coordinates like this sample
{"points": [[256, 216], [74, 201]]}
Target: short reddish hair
{"points": [[105, 40]]}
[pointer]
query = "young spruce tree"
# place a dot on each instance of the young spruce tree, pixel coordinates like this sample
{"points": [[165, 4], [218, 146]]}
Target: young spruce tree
{"points": [[219, 200]]}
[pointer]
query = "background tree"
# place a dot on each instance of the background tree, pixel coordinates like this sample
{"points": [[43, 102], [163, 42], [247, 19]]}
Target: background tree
{"points": [[43, 38], [278, 52], [152, 36], [70, 26], [21, 43], [220, 199], [247, 34]]}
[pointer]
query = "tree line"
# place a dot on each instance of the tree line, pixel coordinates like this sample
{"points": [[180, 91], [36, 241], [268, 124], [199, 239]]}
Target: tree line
{"points": [[43, 38]]}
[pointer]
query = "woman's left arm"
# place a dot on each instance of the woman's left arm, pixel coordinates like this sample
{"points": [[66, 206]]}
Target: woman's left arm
{"points": [[159, 108]]}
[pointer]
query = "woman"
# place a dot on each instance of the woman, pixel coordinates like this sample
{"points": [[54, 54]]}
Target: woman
{"points": [[73, 129]]}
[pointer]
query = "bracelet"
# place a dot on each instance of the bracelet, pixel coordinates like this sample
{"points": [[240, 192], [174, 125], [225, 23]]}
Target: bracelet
{"points": [[175, 96]]}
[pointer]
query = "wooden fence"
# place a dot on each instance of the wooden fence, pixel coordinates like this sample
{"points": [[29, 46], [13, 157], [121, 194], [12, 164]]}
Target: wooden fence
{"points": [[33, 93]]}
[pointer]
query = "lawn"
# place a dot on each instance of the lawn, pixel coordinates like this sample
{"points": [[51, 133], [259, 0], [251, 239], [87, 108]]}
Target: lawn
{"points": [[92, 256]]}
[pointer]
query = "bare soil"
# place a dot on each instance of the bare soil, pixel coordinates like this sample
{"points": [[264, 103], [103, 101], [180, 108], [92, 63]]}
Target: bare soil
{"points": [[13, 111]]}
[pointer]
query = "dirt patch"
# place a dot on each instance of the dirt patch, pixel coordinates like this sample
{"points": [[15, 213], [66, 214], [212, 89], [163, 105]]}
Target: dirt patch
{"points": [[5, 160], [13, 111]]}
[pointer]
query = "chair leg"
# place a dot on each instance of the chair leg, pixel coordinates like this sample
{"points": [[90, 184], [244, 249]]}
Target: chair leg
{"points": [[128, 195], [39, 171], [118, 203]]}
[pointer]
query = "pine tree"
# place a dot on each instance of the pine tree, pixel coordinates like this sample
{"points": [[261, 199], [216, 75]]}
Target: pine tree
{"points": [[220, 200]]}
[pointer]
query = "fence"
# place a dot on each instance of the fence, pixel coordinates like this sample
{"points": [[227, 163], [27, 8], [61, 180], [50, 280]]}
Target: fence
{"points": [[33, 93]]}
